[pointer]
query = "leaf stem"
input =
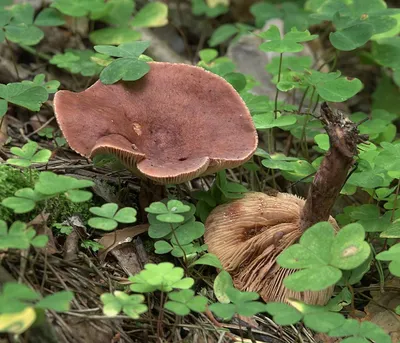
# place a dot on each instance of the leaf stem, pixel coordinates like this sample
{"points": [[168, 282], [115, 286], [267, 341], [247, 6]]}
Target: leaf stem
{"points": [[179, 244], [160, 318], [277, 89]]}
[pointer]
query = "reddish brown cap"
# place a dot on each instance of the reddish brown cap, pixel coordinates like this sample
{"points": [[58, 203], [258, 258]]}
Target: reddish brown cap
{"points": [[176, 123], [248, 234]]}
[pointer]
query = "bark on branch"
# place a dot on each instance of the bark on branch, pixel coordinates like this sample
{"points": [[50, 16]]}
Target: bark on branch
{"points": [[332, 173]]}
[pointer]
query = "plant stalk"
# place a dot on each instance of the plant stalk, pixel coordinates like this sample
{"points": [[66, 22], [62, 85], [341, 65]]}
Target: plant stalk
{"points": [[333, 171]]}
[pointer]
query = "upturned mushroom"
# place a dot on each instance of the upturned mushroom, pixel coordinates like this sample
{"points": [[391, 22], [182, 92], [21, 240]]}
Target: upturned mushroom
{"points": [[248, 234], [177, 123]]}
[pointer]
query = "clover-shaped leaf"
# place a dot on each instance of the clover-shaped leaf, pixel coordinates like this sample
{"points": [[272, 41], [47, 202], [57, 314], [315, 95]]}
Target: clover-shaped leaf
{"points": [[153, 14], [128, 66], [352, 36], [349, 250], [20, 28], [78, 61], [39, 80], [108, 218], [242, 303], [59, 302], [24, 200], [114, 35], [267, 121], [208, 260], [389, 157], [321, 256], [283, 314], [30, 96], [49, 17], [392, 255], [184, 301], [163, 277], [50, 184], [170, 212], [20, 236], [132, 305], [289, 43], [332, 86], [28, 154], [15, 297], [81, 8]]}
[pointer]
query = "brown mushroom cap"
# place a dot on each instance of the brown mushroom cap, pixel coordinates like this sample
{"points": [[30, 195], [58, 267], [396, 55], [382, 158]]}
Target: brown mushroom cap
{"points": [[248, 234], [176, 123]]}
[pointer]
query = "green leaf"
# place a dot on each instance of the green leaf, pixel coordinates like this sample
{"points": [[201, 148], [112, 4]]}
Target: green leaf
{"points": [[225, 311], [283, 314], [313, 249], [19, 236], [267, 121], [126, 69], [153, 14], [188, 232], [106, 210], [324, 321], [349, 250], [289, 43], [59, 302], [313, 279], [52, 184], [3, 108], [103, 223], [392, 232], [162, 247], [199, 7], [19, 205], [49, 17], [352, 37], [237, 80], [157, 208], [78, 61], [78, 196], [26, 95], [322, 141], [222, 282], [163, 276], [81, 8], [114, 35], [23, 34], [207, 55], [222, 33], [333, 87], [126, 215], [184, 301], [209, 260]]}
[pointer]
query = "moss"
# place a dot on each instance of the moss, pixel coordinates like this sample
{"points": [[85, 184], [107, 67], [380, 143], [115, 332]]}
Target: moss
{"points": [[60, 208], [11, 179]]}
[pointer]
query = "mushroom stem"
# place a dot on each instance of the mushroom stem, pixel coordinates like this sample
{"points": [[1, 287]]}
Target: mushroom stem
{"points": [[149, 192], [333, 171]]}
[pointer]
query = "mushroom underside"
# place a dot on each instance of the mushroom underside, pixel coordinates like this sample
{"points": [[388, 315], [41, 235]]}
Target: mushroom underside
{"points": [[248, 235], [176, 123]]}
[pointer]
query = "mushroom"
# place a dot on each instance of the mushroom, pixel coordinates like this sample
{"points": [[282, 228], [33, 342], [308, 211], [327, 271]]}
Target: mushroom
{"points": [[176, 123], [248, 234]]}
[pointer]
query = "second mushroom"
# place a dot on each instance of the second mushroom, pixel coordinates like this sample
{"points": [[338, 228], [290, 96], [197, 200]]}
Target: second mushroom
{"points": [[248, 234]]}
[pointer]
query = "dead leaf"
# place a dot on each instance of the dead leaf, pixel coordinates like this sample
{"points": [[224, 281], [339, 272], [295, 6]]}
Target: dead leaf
{"points": [[110, 240], [127, 258], [40, 225], [380, 310]]}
